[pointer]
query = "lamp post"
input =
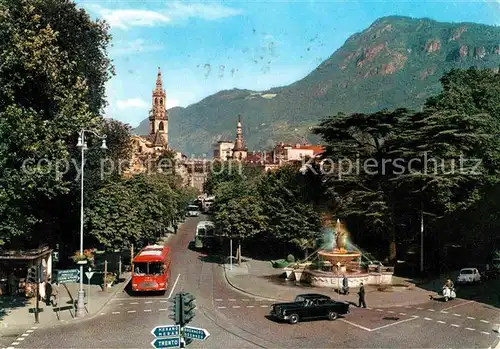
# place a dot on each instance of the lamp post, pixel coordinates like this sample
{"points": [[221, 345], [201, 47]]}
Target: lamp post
{"points": [[82, 144]]}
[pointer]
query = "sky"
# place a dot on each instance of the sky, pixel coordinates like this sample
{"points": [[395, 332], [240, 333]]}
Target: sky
{"points": [[203, 47]]}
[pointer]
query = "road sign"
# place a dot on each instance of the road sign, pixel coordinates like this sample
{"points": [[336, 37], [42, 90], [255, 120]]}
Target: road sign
{"points": [[174, 342], [196, 333], [67, 276], [89, 274], [166, 331]]}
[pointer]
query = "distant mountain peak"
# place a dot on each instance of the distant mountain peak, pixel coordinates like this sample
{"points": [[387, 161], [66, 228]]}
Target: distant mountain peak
{"points": [[396, 62]]}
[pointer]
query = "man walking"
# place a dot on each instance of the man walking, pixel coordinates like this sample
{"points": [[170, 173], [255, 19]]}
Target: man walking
{"points": [[361, 294]]}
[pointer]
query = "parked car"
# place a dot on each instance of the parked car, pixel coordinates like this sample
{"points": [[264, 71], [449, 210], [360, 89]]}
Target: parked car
{"points": [[309, 306], [468, 276]]}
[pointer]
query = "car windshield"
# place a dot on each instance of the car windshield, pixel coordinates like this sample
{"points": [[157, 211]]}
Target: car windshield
{"points": [[192, 208], [466, 271], [148, 268], [300, 299]]}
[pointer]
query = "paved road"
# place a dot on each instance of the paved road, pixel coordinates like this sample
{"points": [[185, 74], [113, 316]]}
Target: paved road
{"points": [[236, 320]]}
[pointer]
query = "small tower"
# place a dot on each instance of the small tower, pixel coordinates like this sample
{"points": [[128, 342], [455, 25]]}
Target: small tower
{"points": [[158, 117], [239, 150]]}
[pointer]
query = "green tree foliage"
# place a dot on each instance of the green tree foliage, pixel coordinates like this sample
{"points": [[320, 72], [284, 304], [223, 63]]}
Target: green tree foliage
{"points": [[53, 71], [286, 198]]}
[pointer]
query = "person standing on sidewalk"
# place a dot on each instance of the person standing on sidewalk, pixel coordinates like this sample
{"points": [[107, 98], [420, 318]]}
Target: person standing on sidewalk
{"points": [[361, 294]]}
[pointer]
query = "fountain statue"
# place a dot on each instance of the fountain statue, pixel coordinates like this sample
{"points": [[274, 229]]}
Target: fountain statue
{"points": [[340, 258]]}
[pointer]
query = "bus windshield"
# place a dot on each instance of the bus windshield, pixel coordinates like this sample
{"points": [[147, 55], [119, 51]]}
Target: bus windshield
{"points": [[149, 268], [192, 208]]}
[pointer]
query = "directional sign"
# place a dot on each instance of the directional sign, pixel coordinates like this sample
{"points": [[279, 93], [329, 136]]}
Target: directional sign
{"points": [[174, 342], [196, 333], [166, 331], [89, 274], [68, 276]]}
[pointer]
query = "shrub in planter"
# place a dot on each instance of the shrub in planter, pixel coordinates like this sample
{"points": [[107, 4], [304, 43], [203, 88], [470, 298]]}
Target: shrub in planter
{"points": [[290, 258], [280, 263]]}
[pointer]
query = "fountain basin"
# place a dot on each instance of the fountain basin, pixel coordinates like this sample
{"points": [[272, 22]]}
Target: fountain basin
{"points": [[339, 256]]}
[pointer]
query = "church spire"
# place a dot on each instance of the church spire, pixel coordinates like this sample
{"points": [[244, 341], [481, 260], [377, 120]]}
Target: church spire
{"points": [[239, 143], [159, 82]]}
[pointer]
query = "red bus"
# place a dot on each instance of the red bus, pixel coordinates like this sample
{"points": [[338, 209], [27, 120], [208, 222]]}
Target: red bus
{"points": [[151, 268]]}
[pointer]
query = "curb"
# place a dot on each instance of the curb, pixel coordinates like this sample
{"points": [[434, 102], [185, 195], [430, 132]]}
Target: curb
{"points": [[283, 300]]}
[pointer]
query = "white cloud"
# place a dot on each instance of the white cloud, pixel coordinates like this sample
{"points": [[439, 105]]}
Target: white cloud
{"points": [[133, 47], [125, 18], [132, 103], [172, 103]]}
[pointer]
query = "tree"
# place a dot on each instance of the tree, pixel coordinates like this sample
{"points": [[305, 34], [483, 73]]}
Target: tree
{"points": [[286, 197], [53, 72], [360, 166], [241, 218]]}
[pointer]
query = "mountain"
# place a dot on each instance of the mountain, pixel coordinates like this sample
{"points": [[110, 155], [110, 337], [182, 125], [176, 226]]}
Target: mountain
{"points": [[396, 62]]}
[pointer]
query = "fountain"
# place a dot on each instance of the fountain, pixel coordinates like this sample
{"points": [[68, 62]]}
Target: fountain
{"points": [[339, 257]]}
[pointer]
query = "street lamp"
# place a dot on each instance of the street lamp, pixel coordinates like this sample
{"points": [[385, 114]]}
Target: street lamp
{"points": [[82, 144]]}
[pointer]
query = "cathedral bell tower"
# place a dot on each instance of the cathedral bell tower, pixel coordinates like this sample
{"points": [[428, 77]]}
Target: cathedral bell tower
{"points": [[158, 117]]}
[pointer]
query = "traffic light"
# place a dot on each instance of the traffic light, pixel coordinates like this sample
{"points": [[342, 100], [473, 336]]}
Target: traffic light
{"points": [[188, 307], [177, 309], [31, 278]]}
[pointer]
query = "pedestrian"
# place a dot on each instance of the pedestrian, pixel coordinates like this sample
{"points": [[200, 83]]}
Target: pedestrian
{"points": [[345, 285], [361, 294], [48, 293]]}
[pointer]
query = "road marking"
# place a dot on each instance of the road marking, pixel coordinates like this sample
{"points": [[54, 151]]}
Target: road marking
{"points": [[29, 331], [148, 302], [34, 328], [120, 304], [232, 300], [458, 305], [431, 310], [103, 313], [147, 310], [454, 325], [218, 300], [427, 318], [221, 307], [402, 314], [115, 312], [470, 329], [163, 301], [15, 343], [25, 334], [378, 309], [457, 314], [173, 287], [236, 306], [486, 322], [395, 323], [250, 306], [245, 300], [264, 306], [470, 317], [420, 308], [131, 311], [441, 322], [356, 325], [163, 309], [407, 307], [483, 332], [134, 303], [390, 311], [444, 312], [20, 339]]}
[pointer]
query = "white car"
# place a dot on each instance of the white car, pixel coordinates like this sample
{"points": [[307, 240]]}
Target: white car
{"points": [[468, 276], [193, 211]]}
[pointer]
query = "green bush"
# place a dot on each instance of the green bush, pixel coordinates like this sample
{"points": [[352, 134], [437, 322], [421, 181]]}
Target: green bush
{"points": [[290, 258], [280, 263]]}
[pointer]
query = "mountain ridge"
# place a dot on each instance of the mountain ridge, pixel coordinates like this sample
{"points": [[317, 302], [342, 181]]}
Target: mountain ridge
{"points": [[396, 62]]}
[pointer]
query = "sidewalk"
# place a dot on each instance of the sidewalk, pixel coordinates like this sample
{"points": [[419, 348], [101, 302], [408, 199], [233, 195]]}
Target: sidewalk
{"points": [[18, 313], [260, 279]]}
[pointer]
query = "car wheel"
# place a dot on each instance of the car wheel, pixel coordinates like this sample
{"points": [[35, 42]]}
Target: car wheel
{"points": [[332, 316], [294, 318]]}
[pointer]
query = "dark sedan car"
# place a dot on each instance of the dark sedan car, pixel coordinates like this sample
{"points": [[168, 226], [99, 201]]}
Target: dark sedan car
{"points": [[309, 306]]}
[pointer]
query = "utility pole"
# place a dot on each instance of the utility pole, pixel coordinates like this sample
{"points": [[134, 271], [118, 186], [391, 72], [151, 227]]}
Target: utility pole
{"points": [[421, 237]]}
